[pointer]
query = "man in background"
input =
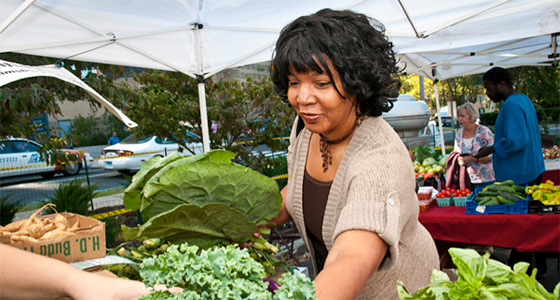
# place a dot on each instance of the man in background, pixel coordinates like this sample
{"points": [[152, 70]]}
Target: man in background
{"points": [[517, 145], [114, 139]]}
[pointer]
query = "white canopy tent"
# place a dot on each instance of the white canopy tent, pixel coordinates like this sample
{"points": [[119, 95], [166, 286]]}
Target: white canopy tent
{"points": [[203, 37]]}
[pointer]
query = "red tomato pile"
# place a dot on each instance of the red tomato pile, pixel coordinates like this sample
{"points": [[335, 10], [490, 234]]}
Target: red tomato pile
{"points": [[448, 192], [425, 175]]}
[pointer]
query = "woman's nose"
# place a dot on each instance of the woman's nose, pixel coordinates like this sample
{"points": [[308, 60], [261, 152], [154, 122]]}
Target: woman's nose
{"points": [[306, 95]]}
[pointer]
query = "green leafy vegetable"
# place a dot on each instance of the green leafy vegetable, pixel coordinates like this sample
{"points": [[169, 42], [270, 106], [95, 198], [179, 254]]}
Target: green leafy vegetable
{"points": [[423, 152], [480, 277], [202, 199], [217, 273], [204, 226]]}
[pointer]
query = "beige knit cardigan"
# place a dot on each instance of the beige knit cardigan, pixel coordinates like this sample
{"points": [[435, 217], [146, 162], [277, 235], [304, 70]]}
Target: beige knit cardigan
{"points": [[374, 190]]}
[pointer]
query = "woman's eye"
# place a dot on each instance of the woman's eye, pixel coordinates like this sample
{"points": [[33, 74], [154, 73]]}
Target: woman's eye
{"points": [[324, 84], [293, 83]]}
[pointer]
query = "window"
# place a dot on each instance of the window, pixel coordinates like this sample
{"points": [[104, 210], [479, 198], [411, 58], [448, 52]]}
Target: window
{"points": [[24, 146], [4, 148]]}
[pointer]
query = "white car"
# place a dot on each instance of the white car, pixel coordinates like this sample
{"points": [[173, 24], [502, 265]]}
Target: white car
{"points": [[131, 152], [19, 156]]}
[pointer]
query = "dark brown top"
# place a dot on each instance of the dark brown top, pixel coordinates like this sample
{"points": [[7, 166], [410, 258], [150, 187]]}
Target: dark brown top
{"points": [[315, 195]]}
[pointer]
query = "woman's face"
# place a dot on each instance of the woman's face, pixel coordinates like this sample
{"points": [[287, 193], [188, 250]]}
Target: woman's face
{"points": [[464, 117], [317, 102]]}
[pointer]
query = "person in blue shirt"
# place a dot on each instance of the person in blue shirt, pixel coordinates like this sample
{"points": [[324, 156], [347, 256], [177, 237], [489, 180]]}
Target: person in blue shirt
{"points": [[517, 139], [114, 139], [517, 145]]}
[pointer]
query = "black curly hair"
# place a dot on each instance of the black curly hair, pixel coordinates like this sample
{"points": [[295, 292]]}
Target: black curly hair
{"points": [[356, 45]]}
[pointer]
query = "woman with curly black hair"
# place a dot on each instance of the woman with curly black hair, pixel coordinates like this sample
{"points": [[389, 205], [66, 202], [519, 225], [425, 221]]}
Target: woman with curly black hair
{"points": [[351, 186]]}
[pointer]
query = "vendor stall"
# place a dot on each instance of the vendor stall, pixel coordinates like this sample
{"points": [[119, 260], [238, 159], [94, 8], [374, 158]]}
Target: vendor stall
{"points": [[524, 232]]}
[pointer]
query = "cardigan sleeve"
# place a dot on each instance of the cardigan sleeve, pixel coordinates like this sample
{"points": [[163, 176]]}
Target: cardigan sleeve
{"points": [[373, 206]]}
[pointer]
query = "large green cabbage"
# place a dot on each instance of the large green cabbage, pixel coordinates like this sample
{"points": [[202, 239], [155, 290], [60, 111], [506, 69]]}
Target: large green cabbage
{"points": [[202, 199]]}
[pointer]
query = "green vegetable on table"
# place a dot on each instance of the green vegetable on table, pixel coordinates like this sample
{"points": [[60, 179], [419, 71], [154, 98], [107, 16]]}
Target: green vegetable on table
{"points": [[217, 273], [203, 199], [480, 277]]}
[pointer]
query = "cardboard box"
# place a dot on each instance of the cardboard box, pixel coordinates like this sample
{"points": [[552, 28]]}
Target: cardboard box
{"points": [[88, 242]]}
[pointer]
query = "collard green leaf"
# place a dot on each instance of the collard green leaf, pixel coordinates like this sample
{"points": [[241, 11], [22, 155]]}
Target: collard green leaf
{"points": [[129, 233], [217, 156], [152, 169], [246, 191], [202, 226], [132, 195]]}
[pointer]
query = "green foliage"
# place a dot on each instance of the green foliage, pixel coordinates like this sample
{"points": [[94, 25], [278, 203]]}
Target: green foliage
{"points": [[489, 118], [236, 108], [540, 84], [23, 100], [480, 277], [277, 166], [8, 209], [89, 130], [72, 196], [459, 89], [178, 195], [217, 273]]}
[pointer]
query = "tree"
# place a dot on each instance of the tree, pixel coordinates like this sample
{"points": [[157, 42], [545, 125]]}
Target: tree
{"points": [[24, 100], [164, 104]]}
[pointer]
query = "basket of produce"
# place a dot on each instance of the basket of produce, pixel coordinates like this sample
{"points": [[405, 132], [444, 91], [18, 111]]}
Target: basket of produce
{"points": [[444, 201], [545, 198], [448, 196], [499, 198], [461, 196], [425, 204]]}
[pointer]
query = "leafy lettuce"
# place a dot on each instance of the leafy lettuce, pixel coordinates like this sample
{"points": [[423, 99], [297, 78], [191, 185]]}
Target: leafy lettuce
{"points": [[202, 199], [479, 277]]}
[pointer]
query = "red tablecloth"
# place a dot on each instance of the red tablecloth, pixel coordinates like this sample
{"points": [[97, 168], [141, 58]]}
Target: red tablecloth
{"points": [[530, 232]]}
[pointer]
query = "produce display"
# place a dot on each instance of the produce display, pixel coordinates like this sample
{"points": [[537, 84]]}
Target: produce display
{"points": [[547, 193], [218, 273], [203, 199], [448, 192], [551, 153], [500, 193], [428, 162], [480, 277], [34, 228]]}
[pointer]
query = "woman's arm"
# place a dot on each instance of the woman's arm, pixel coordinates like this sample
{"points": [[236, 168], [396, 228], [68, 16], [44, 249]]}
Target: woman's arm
{"points": [[355, 255], [283, 215], [25, 275]]}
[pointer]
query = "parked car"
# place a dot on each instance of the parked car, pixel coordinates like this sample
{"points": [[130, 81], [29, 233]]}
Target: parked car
{"points": [[128, 155], [19, 156], [446, 119]]}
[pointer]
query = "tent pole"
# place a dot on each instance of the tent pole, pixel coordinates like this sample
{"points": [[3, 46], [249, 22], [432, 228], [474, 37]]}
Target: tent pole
{"points": [[422, 93], [201, 91], [439, 118], [203, 115], [20, 10]]}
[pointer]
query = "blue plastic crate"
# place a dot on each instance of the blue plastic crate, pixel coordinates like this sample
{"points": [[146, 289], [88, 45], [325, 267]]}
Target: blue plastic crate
{"points": [[519, 207]]}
